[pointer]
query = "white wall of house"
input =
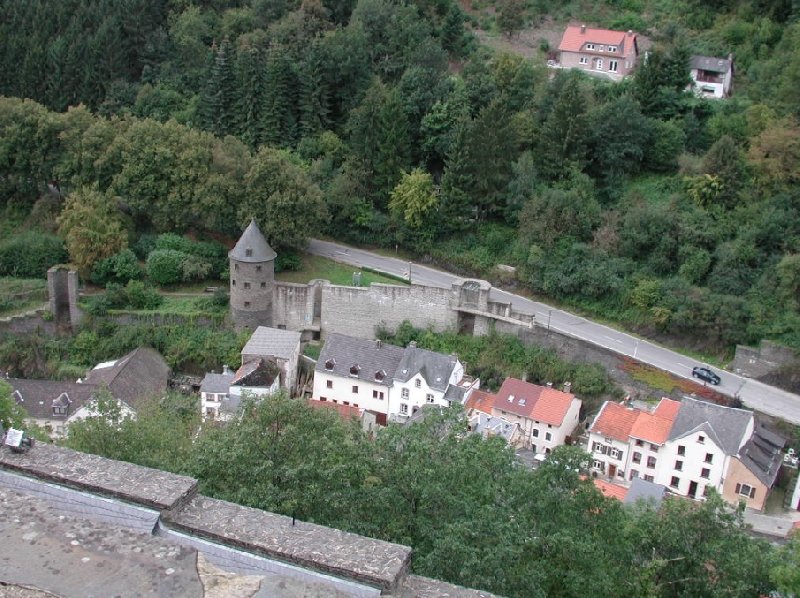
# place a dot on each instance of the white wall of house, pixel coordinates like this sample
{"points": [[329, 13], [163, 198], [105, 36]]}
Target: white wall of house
{"points": [[701, 461], [210, 403], [709, 89], [90, 410], [609, 456], [644, 459], [256, 391], [545, 437], [340, 389], [409, 396]]}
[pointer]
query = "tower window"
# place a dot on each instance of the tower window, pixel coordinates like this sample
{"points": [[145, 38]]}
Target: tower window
{"points": [[247, 285], [233, 282], [236, 267], [263, 285], [248, 252], [258, 268], [247, 304]]}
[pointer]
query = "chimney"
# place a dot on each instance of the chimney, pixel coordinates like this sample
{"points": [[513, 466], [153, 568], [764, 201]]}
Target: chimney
{"points": [[567, 386], [413, 344], [630, 32], [583, 29], [225, 370]]}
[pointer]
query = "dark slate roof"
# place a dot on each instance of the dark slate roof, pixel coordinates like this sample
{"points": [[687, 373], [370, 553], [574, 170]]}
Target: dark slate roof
{"points": [[709, 63], [643, 490], [139, 374], [38, 396], [259, 372], [216, 383], [763, 454], [724, 425], [253, 240], [368, 356], [455, 394], [435, 368]]}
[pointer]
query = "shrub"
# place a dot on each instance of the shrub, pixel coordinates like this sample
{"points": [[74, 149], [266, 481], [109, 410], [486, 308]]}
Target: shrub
{"points": [[165, 266], [195, 268], [288, 262], [120, 267], [30, 254], [142, 296], [144, 245]]}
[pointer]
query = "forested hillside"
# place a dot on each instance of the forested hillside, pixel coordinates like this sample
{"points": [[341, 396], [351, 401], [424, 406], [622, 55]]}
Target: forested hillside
{"points": [[385, 122]]}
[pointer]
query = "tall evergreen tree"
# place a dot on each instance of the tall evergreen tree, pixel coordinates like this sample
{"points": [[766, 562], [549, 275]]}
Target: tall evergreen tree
{"points": [[251, 91], [314, 99], [218, 104], [562, 142], [457, 182], [280, 123]]}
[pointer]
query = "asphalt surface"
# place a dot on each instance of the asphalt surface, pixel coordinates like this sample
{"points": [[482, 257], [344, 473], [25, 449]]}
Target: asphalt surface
{"points": [[754, 394]]}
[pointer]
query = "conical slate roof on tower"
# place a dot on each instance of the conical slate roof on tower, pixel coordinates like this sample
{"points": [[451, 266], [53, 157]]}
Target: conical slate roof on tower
{"points": [[252, 246]]}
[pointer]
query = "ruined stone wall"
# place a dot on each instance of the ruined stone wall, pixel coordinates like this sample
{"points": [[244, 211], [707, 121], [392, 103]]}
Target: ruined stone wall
{"points": [[293, 305], [356, 311], [756, 362]]}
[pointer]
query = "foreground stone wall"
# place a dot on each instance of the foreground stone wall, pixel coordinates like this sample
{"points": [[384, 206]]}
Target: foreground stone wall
{"points": [[227, 526]]}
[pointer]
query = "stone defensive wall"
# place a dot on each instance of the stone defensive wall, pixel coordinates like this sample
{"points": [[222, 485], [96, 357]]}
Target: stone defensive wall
{"points": [[71, 485]]}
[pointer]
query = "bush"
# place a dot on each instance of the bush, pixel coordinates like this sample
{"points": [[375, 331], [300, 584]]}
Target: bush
{"points": [[144, 245], [120, 267], [195, 268], [142, 296], [212, 254], [165, 266], [30, 254], [288, 262]]}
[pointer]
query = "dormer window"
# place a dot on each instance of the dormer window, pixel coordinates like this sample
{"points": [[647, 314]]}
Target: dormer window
{"points": [[612, 48], [522, 402], [329, 365], [248, 252], [354, 369], [590, 46], [380, 375], [510, 398]]}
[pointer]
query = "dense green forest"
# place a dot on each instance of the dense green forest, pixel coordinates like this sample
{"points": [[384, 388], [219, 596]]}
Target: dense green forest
{"points": [[384, 122], [473, 515]]}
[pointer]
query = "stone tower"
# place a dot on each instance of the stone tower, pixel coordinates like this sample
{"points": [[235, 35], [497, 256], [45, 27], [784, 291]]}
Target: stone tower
{"points": [[252, 266]]}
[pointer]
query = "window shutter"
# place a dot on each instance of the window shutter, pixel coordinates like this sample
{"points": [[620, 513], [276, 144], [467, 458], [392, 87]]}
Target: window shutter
{"points": [[738, 488], [752, 492]]}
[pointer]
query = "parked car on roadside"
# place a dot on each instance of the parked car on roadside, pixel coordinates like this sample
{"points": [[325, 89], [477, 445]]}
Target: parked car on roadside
{"points": [[706, 375]]}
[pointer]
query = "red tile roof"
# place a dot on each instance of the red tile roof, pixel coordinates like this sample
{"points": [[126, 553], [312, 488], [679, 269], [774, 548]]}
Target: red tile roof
{"points": [[651, 428], [573, 40], [532, 401], [552, 406], [480, 401], [615, 421], [344, 411], [667, 408], [611, 490]]}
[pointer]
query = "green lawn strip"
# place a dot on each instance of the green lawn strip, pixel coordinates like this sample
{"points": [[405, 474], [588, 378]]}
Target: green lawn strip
{"points": [[317, 267]]}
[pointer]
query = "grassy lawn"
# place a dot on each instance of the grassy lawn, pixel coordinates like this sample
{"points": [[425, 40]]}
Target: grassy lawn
{"points": [[319, 267], [18, 295]]}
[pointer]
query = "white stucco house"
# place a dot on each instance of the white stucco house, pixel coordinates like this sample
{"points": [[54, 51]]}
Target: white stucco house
{"points": [[281, 346], [711, 77]]}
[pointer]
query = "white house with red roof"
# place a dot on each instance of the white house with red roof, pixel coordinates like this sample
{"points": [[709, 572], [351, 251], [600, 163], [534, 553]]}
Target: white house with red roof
{"points": [[545, 416], [688, 447], [612, 54]]}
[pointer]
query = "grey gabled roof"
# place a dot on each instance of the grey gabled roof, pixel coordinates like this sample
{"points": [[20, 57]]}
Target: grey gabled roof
{"points": [[643, 490], [274, 342], [370, 356], [252, 239], [217, 383], [140, 374], [763, 454], [435, 368], [455, 394], [726, 426], [37, 397], [709, 63]]}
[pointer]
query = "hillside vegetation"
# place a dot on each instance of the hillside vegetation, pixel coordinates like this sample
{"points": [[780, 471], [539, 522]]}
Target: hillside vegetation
{"points": [[384, 122]]}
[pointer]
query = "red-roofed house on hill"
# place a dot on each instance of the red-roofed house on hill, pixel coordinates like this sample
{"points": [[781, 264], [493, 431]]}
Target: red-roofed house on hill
{"points": [[612, 54], [545, 416]]}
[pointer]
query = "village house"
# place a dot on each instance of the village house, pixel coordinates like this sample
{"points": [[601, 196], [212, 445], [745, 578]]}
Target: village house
{"points": [[611, 54], [221, 395], [391, 381], [282, 346], [545, 416], [689, 447], [55, 404], [711, 77]]}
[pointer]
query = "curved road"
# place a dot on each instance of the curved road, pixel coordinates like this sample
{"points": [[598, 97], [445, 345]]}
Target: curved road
{"points": [[754, 394]]}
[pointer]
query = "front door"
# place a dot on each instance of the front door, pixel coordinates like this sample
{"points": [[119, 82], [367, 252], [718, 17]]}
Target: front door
{"points": [[692, 489], [612, 470]]}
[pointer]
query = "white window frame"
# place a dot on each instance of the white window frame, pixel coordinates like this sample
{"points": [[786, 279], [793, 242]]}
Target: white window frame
{"points": [[404, 393], [590, 46], [429, 398], [613, 66], [612, 49], [548, 436], [418, 383], [403, 408], [599, 64], [583, 60]]}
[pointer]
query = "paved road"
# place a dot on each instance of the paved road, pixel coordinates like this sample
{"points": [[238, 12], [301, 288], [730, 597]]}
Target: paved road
{"points": [[754, 394]]}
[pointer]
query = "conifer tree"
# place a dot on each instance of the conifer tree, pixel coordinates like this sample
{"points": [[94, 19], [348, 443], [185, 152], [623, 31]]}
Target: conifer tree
{"points": [[218, 104], [250, 101]]}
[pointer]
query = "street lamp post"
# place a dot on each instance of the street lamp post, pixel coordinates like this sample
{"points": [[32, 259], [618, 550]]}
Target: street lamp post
{"points": [[549, 313]]}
